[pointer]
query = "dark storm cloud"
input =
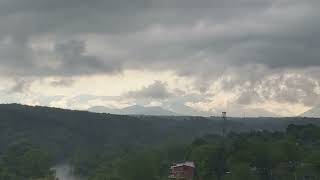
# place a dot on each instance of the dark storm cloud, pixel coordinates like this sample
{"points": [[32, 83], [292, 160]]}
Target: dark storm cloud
{"points": [[68, 58], [20, 86], [62, 82], [273, 33], [157, 90], [74, 60]]}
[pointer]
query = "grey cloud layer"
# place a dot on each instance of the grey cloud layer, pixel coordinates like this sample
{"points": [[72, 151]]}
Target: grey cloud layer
{"points": [[249, 40], [273, 33], [288, 88], [67, 59], [157, 90]]}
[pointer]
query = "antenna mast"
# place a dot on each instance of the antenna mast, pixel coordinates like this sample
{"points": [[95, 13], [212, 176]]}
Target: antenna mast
{"points": [[224, 123]]}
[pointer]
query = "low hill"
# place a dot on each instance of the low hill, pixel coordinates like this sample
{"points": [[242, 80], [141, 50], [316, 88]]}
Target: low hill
{"points": [[64, 132]]}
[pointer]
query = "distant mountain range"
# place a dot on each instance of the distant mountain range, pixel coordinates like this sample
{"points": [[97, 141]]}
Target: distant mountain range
{"points": [[314, 112], [178, 110], [134, 110]]}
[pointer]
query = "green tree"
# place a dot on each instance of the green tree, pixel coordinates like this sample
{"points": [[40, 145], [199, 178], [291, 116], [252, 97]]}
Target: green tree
{"points": [[23, 161], [241, 171], [143, 166], [313, 158], [210, 161]]}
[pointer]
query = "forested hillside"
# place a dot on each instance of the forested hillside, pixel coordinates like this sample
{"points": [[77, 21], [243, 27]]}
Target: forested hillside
{"points": [[65, 131]]}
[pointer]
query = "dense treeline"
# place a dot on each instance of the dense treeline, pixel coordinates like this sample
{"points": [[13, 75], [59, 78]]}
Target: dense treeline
{"points": [[24, 161], [294, 154]]}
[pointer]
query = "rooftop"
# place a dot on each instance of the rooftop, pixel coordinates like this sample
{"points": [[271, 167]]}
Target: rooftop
{"points": [[187, 163]]}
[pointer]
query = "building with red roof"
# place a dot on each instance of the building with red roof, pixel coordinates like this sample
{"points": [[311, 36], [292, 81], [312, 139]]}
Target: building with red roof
{"points": [[183, 170]]}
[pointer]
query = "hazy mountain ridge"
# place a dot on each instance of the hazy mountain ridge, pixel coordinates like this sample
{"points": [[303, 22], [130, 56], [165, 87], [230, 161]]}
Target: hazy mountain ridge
{"points": [[313, 113], [178, 110], [135, 110]]}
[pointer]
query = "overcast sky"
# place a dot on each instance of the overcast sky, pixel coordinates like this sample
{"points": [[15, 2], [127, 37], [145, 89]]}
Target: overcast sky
{"points": [[258, 57]]}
